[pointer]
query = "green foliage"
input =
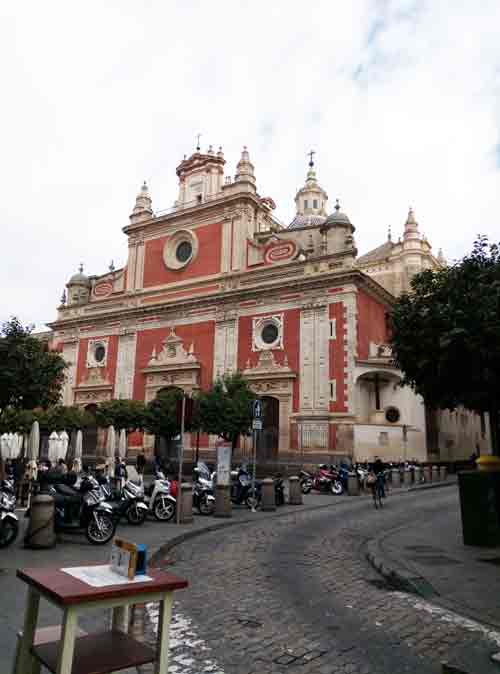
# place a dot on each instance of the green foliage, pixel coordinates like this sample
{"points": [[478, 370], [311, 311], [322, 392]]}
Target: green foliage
{"points": [[446, 333], [16, 421], [30, 375], [225, 409], [122, 414], [59, 417], [161, 417]]}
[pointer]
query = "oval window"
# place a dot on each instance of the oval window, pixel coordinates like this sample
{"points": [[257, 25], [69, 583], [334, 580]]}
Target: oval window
{"points": [[99, 353], [184, 251], [270, 333], [392, 415]]}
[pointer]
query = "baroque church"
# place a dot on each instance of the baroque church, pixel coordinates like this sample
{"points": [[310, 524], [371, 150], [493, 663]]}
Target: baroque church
{"points": [[217, 284]]}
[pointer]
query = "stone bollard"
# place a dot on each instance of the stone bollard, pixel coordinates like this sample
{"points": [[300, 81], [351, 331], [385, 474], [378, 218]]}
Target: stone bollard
{"points": [[186, 503], [435, 474], [294, 493], [268, 502], [427, 474], [222, 501], [353, 484], [40, 532], [407, 478], [418, 474], [396, 478], [443, 473]]}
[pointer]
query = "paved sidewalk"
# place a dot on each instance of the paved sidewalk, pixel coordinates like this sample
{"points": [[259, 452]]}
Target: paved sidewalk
{"points": [[433, 562]]}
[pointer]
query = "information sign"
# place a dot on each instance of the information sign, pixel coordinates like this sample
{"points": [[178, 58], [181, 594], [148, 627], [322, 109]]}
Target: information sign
{"points": [[257, 409], [257, 424], [224, 463]]}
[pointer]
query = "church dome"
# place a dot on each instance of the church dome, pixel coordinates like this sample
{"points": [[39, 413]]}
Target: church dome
{"points": [[301, 220], [338, 217], [79, 279]]}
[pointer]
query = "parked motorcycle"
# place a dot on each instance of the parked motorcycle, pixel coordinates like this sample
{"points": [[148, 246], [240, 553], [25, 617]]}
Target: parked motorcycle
{"points": [[325, 480], [241, 489], [160, 498], [9, 522], [83, 509], [203, 489], [125, 502]]}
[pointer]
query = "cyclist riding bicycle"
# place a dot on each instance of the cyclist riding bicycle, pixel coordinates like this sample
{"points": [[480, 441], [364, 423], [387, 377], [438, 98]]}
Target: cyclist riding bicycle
{"points": [[379, 471]]}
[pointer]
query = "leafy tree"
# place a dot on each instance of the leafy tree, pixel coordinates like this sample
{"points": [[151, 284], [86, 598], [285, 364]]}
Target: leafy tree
{"points": [[122, 414], [59, 417], [161, 415], [226, 409], [16, 421], [30, 374], [446, 334]]}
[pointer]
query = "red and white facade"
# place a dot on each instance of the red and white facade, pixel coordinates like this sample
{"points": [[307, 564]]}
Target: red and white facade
{"points": [[216, 285]]}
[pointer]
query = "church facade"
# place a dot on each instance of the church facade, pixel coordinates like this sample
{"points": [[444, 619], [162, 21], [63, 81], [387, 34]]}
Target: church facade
{"points": [[216, 284]]}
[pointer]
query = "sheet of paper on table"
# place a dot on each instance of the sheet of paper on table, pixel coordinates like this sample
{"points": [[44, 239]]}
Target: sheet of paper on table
{"points": [[100, 576]]}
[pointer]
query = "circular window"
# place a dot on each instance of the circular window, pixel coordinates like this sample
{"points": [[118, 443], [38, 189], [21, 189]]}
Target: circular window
{"points": [[184, 251], [99, 353], [270, 333], [392, 415]]}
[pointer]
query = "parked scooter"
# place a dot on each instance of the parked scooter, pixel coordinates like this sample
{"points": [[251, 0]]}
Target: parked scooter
{"points": [[9, 523], [126, 501], [241, 488], [83, 509], [160, 498], [203, 489]]}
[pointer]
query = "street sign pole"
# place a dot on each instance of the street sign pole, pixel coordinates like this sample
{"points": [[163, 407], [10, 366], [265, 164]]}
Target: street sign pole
{"points": [[254, 468], [256, 426], [181, 456]]}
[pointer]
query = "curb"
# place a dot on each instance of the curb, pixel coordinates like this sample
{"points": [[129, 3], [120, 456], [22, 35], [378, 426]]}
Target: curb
{"points": [[399, 579]]}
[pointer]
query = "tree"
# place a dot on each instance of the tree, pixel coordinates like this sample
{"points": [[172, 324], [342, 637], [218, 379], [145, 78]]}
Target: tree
{"points": [[30, 374], [124, 414], [226, 409], [446, 335], [60, 417], [161, 415]]}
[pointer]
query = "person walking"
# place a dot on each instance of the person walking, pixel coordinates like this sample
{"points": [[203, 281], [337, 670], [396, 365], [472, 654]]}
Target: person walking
{"points": [[140, 464]]}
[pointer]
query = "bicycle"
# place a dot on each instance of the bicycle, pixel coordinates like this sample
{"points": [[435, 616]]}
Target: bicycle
{"points": [[378, 490]]}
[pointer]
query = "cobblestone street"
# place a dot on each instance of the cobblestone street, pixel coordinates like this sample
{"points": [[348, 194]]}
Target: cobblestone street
{"points": [[295, 594]]}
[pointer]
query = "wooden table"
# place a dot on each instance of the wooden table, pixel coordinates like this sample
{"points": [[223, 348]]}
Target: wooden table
{"points": [[94, 653]]}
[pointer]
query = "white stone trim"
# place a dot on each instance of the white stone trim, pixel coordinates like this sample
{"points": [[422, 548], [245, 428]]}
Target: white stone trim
{"points": [[225, 347], [70, 355], [125, 366], [258, 325], [91, 347], [173, 242]]}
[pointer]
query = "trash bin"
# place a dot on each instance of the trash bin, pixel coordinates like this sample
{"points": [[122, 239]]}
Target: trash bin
{"points": [[480, 507], [40, 532]]}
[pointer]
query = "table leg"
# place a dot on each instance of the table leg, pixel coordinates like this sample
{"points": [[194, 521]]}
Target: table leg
{"points": [[164, 634], [24, 661], [120, 619], [67, 645]]}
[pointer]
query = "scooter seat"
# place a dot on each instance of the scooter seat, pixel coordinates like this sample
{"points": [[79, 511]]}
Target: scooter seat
{"points": [[61, 499]]}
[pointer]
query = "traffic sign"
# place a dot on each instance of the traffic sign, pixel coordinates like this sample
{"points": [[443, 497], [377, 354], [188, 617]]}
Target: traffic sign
{"points": [[257, 424], [257, 409]]}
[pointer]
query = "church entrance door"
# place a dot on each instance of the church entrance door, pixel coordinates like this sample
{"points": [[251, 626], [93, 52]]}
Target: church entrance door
{"points": [[268, 437]]}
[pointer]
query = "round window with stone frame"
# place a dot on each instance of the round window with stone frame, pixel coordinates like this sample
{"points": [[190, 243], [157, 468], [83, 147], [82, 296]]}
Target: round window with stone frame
{"points": [[392, 415], [268, 335], [180, 249]]}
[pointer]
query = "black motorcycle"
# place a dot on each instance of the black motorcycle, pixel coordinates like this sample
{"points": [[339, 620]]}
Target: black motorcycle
{"points": [[9, 523], [203, 490], [125, 502], [83, 509], [241, 489], [279, 490]]}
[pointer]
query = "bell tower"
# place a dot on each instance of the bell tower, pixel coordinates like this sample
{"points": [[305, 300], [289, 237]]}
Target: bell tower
{"points": [[200, 177]]}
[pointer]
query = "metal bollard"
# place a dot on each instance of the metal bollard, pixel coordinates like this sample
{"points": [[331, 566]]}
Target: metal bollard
{"points": [[186, 503], [396, 478], [295, 493], [407, 478], [435, 474], [427, 474], [443, 473], [353, 484], [268, 496], [40, 532]]}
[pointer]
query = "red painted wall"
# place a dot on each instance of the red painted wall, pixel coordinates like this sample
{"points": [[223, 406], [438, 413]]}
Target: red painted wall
{"points": [[201, 335], [207, 261], [291, 344], [332, 436], [337, 356], [371, 325], [109, 370]]}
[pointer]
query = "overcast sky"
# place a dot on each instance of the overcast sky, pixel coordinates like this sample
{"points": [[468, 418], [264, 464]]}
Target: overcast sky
{"points": [[399, 100]]}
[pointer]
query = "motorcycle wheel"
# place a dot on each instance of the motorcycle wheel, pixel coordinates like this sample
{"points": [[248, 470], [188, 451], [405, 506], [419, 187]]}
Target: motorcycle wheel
{"points": [[205, 507], [102, 535], [163, 510], [136, 516], [8, 532], [337, 488], [306, 487]]}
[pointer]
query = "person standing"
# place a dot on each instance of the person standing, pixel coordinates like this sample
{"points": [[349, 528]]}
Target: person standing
{"points": [[140, 463]]}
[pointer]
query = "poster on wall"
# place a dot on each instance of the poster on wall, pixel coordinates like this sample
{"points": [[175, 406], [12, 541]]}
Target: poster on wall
{"points": [[224, 463]]}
